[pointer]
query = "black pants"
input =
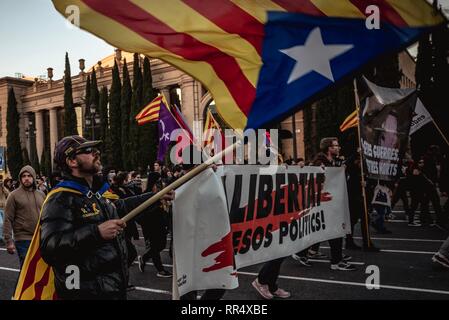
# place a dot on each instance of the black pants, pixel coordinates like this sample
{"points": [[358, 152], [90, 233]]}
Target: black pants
{"points": [[304, 252], [432, 197], [155, 255], [401, 193], [269, 273], [418, 199], [445, 212], [356, 209], [336, 250], [155, 234], [132, 251]]}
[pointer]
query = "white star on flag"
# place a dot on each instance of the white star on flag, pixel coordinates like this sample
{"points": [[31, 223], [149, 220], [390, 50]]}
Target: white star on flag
{"points": [[314, 55]]}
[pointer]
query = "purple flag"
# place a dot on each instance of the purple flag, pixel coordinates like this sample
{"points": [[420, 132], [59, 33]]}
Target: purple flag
{"points": [[167, 124]]}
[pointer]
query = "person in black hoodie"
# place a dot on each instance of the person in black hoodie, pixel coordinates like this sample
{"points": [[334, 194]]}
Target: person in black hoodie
{"points": [[82, 228], [119, 188], [134, 182], [423, 190], [355, 197], [155, 230]]}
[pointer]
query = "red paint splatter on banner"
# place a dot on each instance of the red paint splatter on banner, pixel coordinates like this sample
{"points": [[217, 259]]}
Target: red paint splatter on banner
{"points": [[326, 196], [226, 256]]}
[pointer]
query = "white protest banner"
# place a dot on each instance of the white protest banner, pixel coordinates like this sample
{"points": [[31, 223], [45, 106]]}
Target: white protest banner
{"points": [[271, 212], [202, 235], [276, 214]]}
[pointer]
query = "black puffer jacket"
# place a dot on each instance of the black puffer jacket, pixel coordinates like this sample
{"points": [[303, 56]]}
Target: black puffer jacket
{"points": [[70, 236]]}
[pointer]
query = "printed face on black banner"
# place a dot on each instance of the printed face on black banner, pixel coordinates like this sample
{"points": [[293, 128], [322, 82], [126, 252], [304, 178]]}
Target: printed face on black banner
{"points": [[384, 130]]}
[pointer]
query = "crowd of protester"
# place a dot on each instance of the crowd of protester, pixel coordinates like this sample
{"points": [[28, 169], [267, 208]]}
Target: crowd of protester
{"points": [[421, 183]]}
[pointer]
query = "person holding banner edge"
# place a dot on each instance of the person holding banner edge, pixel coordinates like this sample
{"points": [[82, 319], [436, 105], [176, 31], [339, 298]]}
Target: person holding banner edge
{"points": [[330, 150]]}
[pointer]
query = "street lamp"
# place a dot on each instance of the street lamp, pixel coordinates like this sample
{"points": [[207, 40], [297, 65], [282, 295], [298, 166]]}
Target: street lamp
{"points": [[93, 120], [30, 133]]}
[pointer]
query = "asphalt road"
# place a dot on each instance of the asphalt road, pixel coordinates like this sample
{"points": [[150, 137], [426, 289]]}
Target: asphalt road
{"points": [[406, 272]]}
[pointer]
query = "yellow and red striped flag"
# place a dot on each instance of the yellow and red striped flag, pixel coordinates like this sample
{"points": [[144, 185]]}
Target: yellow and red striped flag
{"points": [[258, 58], [210, 127], [36, 279], [351, 121], [150, 112]]}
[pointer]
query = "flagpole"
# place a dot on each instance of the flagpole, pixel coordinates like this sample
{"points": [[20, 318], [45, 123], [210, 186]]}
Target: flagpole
{"points": [[175, 289], [439, 130], [179, 124], [365, 207], [191, 131], [205, 155], [189, 175]]}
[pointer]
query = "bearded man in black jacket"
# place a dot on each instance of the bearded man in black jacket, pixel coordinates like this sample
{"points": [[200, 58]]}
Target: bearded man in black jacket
{"points": [[81, 228]]}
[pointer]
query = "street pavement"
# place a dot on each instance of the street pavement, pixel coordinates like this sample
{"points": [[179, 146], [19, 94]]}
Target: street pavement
{"points": [[404, 262]]}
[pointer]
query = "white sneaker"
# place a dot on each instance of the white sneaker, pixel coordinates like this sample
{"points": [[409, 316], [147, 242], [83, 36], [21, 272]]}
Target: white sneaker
{"points": [[316, 254], [441, 260], [343, 266], [304, 261]]}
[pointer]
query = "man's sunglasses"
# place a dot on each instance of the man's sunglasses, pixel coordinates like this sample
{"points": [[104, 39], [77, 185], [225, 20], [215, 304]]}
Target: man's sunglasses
{"points": [[87, 151]]}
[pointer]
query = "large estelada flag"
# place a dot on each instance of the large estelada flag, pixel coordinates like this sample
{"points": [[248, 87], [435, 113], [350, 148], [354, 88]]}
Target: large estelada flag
{"points": [[261, 60]]}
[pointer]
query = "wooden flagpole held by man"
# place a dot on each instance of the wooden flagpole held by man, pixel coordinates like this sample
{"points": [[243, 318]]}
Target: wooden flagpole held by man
{"points": [[365, 219], [192, 173]]}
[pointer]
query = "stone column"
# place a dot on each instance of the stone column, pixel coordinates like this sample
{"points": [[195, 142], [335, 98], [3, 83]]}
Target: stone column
{"points": [[39, 133], [53, 131]]}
